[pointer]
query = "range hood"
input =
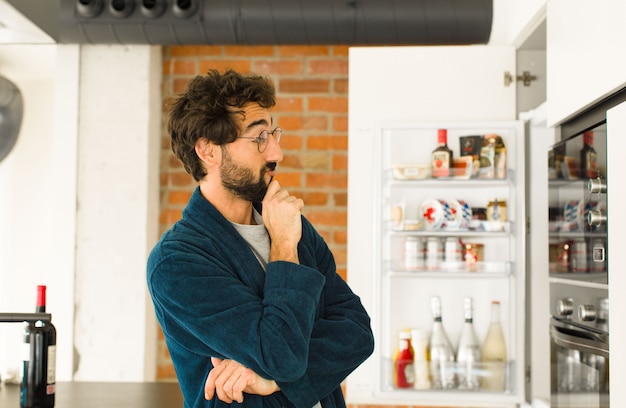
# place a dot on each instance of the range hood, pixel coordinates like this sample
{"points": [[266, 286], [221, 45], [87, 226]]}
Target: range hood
{"points": [[262, 22]]}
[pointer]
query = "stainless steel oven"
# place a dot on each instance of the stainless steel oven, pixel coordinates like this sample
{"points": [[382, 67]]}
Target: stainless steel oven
{"points": [[579, 254], [579, 349]]}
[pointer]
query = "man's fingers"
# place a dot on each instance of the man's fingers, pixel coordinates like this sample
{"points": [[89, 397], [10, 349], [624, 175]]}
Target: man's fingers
{"points": [[209, 385]]}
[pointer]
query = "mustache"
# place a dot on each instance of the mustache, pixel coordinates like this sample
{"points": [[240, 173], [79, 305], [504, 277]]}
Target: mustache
{"points": [[271, 166]]}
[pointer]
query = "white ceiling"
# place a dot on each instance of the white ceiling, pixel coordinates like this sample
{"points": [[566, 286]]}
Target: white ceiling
{"points": [[15, 28]]}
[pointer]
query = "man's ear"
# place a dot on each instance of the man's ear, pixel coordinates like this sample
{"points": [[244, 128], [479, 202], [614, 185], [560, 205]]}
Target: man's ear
{"points": [[205, 150]]}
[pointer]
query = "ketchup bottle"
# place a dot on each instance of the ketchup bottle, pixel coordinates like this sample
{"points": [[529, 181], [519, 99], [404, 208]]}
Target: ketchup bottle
{"points": [[403, 365]]}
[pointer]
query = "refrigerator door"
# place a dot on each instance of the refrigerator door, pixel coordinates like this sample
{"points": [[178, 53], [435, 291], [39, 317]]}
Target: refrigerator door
{"points": [[401, 95]]}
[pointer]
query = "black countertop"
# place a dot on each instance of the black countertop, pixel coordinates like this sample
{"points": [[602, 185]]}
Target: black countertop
{"points": [[104, 395]]}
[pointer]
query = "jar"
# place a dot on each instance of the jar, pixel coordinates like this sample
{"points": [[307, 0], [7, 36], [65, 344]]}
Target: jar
{"points": [[496, 210]]}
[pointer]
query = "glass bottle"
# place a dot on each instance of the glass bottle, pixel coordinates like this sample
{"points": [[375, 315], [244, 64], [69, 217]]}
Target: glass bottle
{"points": [[441, 352], [494, 354], [468, 352], [404, 372], [37, 389], [442, 156], [588, 157]]}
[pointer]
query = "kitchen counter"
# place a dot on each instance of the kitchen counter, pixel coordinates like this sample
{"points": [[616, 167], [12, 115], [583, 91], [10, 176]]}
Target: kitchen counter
{"points": [[104, 395]]}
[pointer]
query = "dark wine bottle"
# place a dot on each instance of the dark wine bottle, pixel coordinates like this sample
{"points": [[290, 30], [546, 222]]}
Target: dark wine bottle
{"points": [[588, 157], [39, 367]]}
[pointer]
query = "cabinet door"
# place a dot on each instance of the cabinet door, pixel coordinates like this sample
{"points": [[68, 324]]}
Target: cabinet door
{"points": [[586, 61], [416, 84]]}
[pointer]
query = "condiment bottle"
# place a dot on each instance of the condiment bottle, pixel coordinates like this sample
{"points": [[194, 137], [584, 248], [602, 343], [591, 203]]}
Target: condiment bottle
{"points": [[403, 366], [419, 340], [442, 156]]}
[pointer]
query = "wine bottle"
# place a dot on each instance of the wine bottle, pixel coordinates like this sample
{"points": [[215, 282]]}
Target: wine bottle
{"points": [[39, 366], [403, 365], [588, 157], [440, 350], [494, 354], [468, 352], [442, 156]]}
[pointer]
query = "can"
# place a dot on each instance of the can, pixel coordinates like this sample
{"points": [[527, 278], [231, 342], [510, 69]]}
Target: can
{"points": [[578, 253], [413, 253], [434, 253], [452, 252]]}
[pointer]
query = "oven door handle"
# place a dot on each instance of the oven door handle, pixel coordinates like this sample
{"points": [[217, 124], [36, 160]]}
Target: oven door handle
{"points": [[579, 343]]}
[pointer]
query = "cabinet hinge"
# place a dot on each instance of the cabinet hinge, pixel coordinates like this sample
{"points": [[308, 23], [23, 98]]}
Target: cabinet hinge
{"points": [[526, 78]]}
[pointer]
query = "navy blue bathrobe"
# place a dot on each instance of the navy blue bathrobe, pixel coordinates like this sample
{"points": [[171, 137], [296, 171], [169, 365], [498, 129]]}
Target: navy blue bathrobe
{"points": [[298, 324]]}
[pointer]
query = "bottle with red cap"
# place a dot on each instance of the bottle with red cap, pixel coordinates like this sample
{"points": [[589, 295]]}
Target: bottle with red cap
{"points": [[39, 360], [442, 156]]}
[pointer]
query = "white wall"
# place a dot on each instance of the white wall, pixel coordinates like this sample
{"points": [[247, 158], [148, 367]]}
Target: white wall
{"points": [[79, 204], [118, 198], [37, 182]]}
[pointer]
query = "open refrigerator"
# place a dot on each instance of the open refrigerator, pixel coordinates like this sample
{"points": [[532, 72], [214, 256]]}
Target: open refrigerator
{"points": [[393, 130]]}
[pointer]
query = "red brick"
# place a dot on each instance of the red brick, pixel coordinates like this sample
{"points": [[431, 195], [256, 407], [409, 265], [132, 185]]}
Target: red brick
{"points": [[340, 123], [320, 217], [331, 142], [240, 65], [287, 179], [300, 50], [290, 141], [195, 51], [179, 197], [312, 198], [340, 237], [293, 104], [290, 123], [328, 104], [329, 66], [340, 50], [272, 67], [249, 51], [341, 86], [340, 162], [316, 122], [334, 181], [184, 67], [304, 85], [341, 199]]}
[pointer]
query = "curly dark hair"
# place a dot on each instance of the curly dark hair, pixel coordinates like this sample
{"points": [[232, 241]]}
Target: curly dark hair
{"points": [[209, 108]]}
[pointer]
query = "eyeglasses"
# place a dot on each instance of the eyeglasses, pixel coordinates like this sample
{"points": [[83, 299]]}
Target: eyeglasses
{"points": [[262, 138]]}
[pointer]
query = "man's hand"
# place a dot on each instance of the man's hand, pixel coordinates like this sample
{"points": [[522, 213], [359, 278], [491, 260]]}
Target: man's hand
{"points": [[230, 380], [281, 216]]}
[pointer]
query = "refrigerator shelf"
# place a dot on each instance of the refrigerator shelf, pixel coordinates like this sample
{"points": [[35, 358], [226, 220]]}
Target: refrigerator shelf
{"points": [[484, 372], [392, 181], [483, 229]]}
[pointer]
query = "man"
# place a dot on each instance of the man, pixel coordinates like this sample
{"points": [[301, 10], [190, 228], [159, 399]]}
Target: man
{"points": [[245, 289]]}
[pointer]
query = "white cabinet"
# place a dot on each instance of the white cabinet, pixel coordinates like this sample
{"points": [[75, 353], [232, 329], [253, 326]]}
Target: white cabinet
{"points": [[585, 58]]}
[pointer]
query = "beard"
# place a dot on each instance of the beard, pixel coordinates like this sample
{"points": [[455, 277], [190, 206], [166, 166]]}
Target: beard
{"points": [[242, 182]]}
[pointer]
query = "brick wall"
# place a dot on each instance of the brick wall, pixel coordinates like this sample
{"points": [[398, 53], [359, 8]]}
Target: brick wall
{"points": [[312, 109]]}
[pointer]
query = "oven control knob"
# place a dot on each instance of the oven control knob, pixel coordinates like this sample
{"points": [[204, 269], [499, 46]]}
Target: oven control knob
{"points": [[565, 307], [587, 313]]}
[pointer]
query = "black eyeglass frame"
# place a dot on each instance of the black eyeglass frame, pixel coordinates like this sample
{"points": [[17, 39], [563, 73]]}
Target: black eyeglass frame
{"points": [[263, 137]]}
